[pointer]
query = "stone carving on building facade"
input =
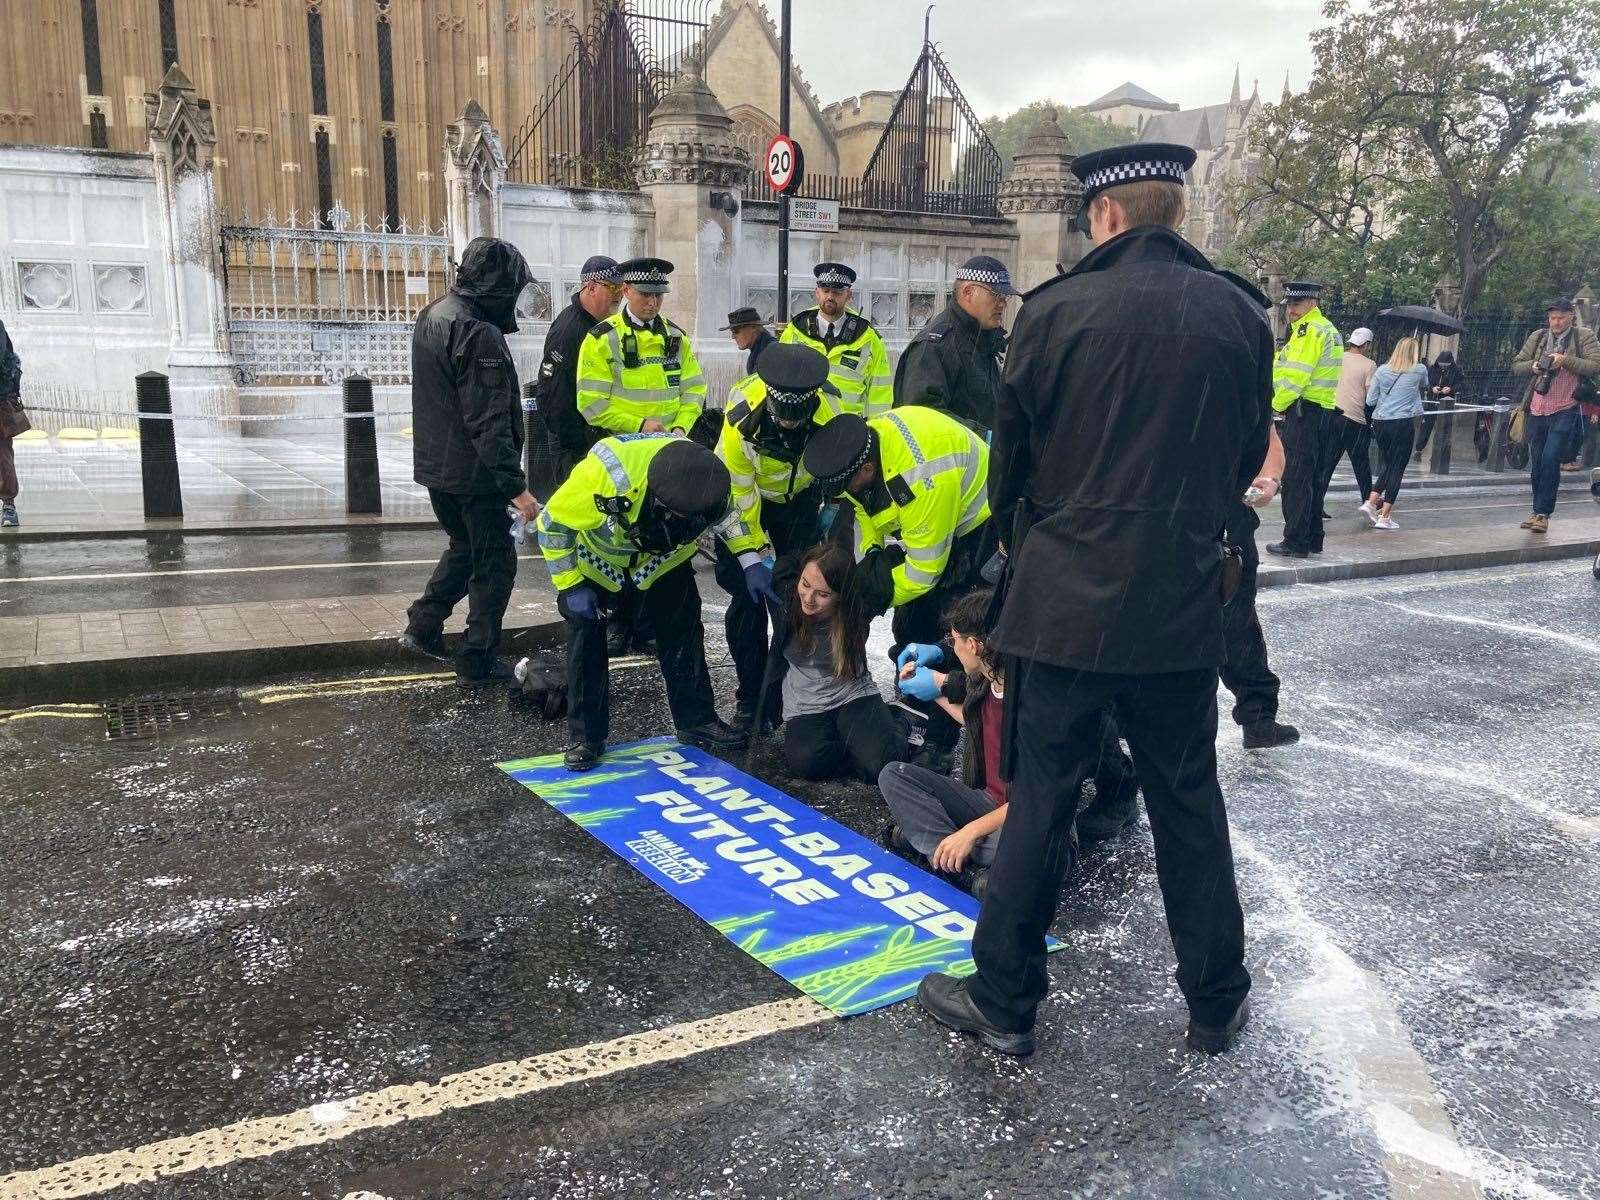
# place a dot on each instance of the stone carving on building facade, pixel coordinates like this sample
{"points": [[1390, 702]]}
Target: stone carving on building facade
{"points": [[474, 151], [120, 288], [46, 286], [177, 118], [692, 138], [1041, 179]]}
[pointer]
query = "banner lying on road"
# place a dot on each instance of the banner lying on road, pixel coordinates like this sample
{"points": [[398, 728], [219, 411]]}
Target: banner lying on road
{"points": [[844, 920]]}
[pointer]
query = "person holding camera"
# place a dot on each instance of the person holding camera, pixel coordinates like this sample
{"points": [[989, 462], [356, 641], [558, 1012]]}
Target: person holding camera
{"points": [[1562, 359]]}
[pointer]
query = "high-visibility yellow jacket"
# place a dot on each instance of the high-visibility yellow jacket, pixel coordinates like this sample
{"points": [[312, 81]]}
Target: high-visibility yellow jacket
{"points": [[584, 531], [936, 471], [858, 365], [758, 476], [628, 375], [1308, 365]]}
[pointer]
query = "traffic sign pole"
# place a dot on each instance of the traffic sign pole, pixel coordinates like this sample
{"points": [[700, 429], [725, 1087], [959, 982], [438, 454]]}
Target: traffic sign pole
{"points": [[785, 77]]}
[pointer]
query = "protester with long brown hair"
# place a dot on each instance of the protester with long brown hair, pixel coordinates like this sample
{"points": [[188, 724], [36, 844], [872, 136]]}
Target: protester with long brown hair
{"points": [[835, 720]]}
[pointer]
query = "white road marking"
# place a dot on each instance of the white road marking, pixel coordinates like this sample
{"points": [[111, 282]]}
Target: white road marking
{"points": [[264, 1136], [1581, 645], [186, 573]]}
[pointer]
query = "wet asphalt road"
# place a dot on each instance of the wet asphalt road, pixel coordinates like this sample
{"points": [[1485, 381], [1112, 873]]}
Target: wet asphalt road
{"points": [[164, 570], [335, 892]]}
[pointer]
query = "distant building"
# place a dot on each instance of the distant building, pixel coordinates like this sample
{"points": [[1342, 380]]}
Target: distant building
{"points": [[1220, 137]]}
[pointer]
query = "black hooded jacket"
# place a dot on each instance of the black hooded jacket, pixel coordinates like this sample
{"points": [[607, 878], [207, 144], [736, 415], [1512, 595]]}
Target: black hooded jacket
{"points": [[954, 366], [1135, 410], [466, 412]]}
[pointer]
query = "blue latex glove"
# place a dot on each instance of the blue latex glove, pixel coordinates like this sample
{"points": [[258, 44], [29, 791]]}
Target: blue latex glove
{"points": [[921, 686], [923, 654], [758, 582], [583, 603]]}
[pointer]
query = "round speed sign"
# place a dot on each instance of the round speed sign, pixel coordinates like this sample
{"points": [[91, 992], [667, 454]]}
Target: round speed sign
{"points": [[785, 164]]}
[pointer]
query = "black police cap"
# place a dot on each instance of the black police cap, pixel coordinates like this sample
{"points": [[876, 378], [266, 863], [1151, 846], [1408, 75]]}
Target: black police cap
{"points": [[648, 275], [990, 272], [837, 451], [599, 268], [1302, 289], [688, 479], [791, 367], [1102, 169], [833, 275]]}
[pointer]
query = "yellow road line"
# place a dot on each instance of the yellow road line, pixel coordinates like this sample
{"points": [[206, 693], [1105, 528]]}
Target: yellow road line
{"points": [[262, 1137], [368, 690]]}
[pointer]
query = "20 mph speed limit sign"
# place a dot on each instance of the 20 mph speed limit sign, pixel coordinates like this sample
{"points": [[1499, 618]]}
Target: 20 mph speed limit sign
{"points": [[785, 165]]}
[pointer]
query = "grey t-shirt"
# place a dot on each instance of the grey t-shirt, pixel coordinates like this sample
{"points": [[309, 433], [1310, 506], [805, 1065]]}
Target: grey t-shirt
{"points": [[809, 686]]}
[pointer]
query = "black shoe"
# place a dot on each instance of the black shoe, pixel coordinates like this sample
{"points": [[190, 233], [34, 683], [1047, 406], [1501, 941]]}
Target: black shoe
{"points": [[892, 840], [945, 999], [499, 671], [716, 736], [618, 637], [1208, 1039], [643, 643], [934, 758], [1264, 735], [581, 756], [745, 719], [974, 881], [430, 644], [1284, 551], [1094, 832]]}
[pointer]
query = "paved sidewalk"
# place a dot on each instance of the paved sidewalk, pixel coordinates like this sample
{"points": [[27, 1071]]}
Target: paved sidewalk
{"points": [[81, 653]]}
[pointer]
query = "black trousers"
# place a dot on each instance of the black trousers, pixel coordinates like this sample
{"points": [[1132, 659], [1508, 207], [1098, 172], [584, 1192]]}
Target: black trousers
{"points": [[1311, 453], [1170, 721], [921, 620], [1394, 440], [857, 739], [1355, 440], [1246, 673], [481, 564], [672, 603], [791, 527]]}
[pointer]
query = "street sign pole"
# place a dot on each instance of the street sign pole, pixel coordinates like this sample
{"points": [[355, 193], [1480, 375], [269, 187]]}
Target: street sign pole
{"points": [[784, 77]]}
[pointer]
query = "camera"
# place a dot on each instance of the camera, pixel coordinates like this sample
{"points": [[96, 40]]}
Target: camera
{"points": [[1544, 375]]}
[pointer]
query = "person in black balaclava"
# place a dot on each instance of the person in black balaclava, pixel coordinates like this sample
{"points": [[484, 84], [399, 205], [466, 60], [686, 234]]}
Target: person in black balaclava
{"points": [[1444, 379], [466, 416]]}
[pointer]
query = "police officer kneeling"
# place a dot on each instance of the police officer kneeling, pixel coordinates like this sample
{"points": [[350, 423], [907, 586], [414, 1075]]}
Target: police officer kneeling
{"points": [[625, 523], [772, 417]]}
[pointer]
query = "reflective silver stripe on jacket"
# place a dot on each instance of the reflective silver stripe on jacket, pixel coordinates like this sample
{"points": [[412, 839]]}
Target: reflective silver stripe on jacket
{"points": [[614, 468]]}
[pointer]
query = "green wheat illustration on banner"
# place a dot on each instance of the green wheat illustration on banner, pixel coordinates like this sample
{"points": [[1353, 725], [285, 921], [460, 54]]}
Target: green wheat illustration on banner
{"points": [[559, 792], [599, 816], [632, 754], [838, 987], [728, 925], [811, 943]]}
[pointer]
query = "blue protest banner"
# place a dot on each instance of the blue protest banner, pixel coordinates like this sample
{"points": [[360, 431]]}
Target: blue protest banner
{"points": [[844, 920]]}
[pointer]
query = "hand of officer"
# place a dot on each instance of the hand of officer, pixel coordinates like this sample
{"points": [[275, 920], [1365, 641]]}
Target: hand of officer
{"points": [[1266, 487], [921, 653], [652, 425], [583, 603], [758, 582], [526, 505], [922, 684]]}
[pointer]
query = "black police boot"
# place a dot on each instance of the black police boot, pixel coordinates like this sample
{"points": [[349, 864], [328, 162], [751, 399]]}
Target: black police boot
{"points": [[938, 759], [1210, 1039], [430, 644], [945, 999], [1282, 550], [495, 671], [1264, 735], [716, 736], [618, 635], [1103, 822], [581, 756]]}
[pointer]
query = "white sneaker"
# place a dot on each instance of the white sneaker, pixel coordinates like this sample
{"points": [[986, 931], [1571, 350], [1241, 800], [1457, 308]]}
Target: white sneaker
{"points": [[1368, 511], [1386, 523]]}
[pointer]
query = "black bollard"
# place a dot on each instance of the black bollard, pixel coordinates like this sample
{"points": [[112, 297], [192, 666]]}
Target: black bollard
{"points": [[158, 449], [1444, 429], [362, 490], [1498, 434]]}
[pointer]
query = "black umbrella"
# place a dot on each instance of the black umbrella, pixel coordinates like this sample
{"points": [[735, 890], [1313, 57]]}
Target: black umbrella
{"points": [[1421, 316]]}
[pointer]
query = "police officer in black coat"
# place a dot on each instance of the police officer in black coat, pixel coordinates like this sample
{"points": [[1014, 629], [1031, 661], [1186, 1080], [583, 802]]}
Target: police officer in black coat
{"points": [[953, 364], [568, 436], [466, 417], [1135, 411]]}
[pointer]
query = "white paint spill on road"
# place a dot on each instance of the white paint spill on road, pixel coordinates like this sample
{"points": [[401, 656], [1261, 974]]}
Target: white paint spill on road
{"points": [[265, 1136], [1347, 1015], [1399, 1133], [1582, 645], [1470, 775]]}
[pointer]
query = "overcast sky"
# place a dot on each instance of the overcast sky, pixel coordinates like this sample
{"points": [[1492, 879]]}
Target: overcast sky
{"points": [[1006, 53]]}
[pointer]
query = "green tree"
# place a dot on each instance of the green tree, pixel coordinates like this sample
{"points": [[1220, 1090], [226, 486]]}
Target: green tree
{"points": [[1085, 131], [1432, 130]]}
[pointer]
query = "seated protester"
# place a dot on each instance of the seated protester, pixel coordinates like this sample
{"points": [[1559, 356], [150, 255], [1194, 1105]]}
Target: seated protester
{"points": [[955, 824], [835, 722]]}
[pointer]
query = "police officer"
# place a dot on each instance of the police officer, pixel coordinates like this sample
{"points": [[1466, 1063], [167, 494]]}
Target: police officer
{"points": [[637, 372], [858, 365], [556, 394], [1305, 378], [1123, 436], [467, 451], [953, 364], [771, 418], [625, 523], [916, 481], [750, 334]]}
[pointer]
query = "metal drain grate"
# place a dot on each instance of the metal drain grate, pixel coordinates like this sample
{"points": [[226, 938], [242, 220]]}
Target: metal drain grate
{"points": [[157, 716]]}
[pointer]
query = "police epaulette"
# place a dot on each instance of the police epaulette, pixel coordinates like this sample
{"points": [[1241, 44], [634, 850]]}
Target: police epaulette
{"points": [[599, 329]]}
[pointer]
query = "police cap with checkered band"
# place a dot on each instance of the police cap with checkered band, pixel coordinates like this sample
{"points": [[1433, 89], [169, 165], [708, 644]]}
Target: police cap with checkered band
{"points": [[794, 375], [648, 275], [599, 268], [833, 275], [990, 272], [837, 451], [1102, 169]]}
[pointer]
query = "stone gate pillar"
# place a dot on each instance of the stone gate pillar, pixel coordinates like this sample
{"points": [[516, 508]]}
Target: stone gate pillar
{"points": [[204, 377], [1043, 197], [474, 169], [695, 175]]}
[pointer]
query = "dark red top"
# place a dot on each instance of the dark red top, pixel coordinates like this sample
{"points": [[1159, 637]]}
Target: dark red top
{"points": [[989, 719]]}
